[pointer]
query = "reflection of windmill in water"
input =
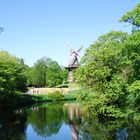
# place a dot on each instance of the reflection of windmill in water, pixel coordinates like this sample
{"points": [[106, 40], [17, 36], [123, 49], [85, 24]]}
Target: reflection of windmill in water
{"points": [[74, 115], [73, 61], [73, 124]]}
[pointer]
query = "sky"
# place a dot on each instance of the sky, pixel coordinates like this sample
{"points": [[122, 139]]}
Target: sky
{"points": [[37, 28]]}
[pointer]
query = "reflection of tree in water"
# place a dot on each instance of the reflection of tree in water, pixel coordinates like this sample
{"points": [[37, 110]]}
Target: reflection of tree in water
{"points": [[92, 128], [133, 129], [47, 120], [12, 125]]}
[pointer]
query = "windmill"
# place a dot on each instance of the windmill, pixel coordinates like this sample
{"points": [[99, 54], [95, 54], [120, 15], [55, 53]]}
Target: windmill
{"points": [[73, 61]]}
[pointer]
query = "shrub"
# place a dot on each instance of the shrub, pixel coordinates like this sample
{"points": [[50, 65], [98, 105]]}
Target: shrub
{"points": [[56, 96]]}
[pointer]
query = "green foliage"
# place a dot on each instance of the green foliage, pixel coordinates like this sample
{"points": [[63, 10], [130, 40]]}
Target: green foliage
{"points": [[45, 73], [37, 74], [133, 17], [132, 51], [101, 61], [12, 77], [53, 74], [56, 96], [72, 95], [134, 94], [111, 69]]}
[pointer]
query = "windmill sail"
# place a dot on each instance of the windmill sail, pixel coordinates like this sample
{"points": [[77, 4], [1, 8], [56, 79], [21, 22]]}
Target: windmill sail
{"points": [[80, 49], [73, 61]]}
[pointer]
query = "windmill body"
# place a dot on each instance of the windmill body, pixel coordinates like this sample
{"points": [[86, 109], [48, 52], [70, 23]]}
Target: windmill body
{"points": [[73, 62]]}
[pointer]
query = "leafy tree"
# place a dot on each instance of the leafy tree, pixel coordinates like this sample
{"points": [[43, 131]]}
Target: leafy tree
{"points": [[38, 72], [65, 76], [53, 74], [45, 73], [12, 77], [133, 17], [110, 70], [104, 69], [132, 51], [102, 61]]}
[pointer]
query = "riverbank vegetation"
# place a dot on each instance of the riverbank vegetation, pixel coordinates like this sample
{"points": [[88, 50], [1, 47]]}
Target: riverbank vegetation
{"points": [[110, 71], [15, 100], [15, 77]]}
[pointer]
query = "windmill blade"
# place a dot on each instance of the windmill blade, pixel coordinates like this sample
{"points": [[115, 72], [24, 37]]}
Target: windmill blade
{"points": [[80, 49], [69, 45]]}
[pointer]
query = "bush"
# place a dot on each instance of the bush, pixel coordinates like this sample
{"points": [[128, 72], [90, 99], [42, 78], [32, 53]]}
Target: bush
{"points": [[72, 95], [56, 96]]}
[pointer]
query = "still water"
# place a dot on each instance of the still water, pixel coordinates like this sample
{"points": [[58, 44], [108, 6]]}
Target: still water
{"points": [[62, 121]]}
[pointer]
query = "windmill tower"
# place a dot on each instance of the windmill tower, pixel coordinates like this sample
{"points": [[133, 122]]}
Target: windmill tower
{"points": [[73, 61]]}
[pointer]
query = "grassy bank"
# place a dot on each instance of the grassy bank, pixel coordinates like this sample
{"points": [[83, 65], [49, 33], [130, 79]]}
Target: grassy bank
{"points": [[20, 100]]}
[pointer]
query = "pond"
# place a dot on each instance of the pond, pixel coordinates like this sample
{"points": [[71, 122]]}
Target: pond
{"points": [[62, 121]]}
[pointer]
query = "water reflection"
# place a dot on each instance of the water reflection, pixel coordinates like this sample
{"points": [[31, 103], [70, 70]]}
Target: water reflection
{"points": [[47, 120], [74, 117], [13, 125], [63, 121], [122, 134]]}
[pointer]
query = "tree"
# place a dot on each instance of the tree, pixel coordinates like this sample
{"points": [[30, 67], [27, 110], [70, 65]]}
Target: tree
{"points": [[110, 68], [102, 60], [12, 77], [133, 17], [105, 70], [45, 73], [132, 51], [65, 76], [38, 72], [54, 75]]}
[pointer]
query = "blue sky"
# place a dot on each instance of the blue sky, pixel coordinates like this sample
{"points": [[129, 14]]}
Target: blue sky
{"points": [[37, 28]]}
